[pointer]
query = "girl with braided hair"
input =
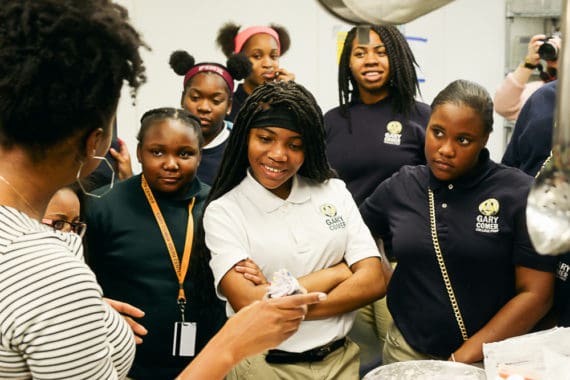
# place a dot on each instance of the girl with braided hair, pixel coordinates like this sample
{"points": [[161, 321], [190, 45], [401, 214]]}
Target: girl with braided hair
{"points": [[274, 205], [207, 94], [377, 128], [62, 68], [263, 46], [378, 115]]}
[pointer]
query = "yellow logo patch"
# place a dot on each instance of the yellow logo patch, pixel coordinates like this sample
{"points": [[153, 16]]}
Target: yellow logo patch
{"points": [[394, 127], [328, 210], [489, 207]]}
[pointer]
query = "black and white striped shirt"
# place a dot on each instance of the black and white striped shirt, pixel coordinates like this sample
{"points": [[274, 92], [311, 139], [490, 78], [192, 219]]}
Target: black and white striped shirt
{"points": [[53, 321]]}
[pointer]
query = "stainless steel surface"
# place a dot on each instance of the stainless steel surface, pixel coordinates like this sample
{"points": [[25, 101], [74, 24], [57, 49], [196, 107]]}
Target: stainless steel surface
{"points": [[381, 11], [548, 208], [426, 370]]}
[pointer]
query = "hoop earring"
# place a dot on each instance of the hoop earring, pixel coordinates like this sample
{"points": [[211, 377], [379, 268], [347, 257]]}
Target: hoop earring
{"points": [[109, 188]]}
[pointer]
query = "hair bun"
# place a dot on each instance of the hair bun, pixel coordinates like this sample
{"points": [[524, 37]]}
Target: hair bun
{"points": [[239, 66], [284, 38], [181, 62], [226, 36]]}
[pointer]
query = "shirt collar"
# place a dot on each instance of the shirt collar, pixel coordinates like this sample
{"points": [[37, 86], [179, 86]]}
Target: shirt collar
{"points": [[480, 171], [220, 138], [269, 202]]}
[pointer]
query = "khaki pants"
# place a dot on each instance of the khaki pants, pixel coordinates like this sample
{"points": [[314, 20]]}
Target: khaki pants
{"points": [[369, 332], [340, 364], [396, 349]]}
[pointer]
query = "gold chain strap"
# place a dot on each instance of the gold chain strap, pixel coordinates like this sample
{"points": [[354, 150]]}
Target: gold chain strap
{"points": [[443, 269]]}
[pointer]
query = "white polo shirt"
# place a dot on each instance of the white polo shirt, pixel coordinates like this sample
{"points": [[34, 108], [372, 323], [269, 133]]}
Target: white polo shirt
{"points": [[316, 227]]}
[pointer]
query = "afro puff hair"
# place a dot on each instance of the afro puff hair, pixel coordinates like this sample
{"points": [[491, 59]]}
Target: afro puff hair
{"points": [[181, 62], [228, 32], [238, 65]]}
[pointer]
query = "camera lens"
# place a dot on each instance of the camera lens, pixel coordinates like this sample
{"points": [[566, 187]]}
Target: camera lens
{"points": [[548, 51]]}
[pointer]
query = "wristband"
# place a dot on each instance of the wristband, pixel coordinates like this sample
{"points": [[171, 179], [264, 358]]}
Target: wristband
{"points": [[528, 65]]}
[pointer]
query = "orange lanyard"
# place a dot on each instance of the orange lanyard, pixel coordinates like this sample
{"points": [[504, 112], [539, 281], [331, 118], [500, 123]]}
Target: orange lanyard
{"points": [[180, 271]]}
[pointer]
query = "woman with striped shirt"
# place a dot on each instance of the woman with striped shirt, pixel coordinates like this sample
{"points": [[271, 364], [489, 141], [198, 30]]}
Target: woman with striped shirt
{"points": [[62, 66]]}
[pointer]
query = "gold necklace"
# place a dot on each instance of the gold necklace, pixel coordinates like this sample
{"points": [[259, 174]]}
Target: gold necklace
{"points": [[34, 211]]}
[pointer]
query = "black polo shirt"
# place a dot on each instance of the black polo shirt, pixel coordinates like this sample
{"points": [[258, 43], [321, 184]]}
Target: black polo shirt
{"points": [[380, 143], [210, 162], [531, 141], [562, 292], [132, 264], [238, 99], [480, 248]]}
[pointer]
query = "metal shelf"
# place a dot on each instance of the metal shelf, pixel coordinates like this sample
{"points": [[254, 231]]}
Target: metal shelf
{"points": [[545, 14]]}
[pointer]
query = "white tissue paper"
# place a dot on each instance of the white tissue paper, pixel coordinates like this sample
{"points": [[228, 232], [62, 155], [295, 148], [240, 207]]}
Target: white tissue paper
{"points": [[283, 284], [543, 355]]}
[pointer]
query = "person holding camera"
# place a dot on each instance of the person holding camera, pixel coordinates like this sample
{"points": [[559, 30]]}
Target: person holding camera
{"points": [[516, 88]]}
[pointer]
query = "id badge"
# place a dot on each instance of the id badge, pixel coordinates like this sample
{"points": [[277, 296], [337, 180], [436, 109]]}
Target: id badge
{"points": [[184, 343]]}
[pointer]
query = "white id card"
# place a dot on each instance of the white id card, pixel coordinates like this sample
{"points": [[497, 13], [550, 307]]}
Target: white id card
{"points": [[184, 343]]}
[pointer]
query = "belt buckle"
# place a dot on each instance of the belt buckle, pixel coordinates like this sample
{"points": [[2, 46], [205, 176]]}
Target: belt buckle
{"points": [[323, 351]]}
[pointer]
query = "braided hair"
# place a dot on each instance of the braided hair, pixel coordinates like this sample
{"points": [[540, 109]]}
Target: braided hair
{"points": [[403, 79], [150, 117], [228, 32], [302, 103], [62, 66]]}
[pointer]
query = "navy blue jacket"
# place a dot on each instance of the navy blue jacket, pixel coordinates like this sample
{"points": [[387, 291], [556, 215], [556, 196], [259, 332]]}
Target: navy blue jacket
{"points": [[531, 141]]}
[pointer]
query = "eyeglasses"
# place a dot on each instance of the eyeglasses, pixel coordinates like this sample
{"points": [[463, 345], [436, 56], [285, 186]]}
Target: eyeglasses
{"points": [[65, 226]]}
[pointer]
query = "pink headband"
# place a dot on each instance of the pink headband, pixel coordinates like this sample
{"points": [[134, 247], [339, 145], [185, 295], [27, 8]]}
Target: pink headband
{"points": [[242, 37], [213, 68]]}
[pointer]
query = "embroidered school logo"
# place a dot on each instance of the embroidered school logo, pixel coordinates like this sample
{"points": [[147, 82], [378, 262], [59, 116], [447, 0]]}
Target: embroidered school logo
{"points": [[488, 221], [562, 271], [394, 133], [333, 220], [328, 210], [490, 207]]}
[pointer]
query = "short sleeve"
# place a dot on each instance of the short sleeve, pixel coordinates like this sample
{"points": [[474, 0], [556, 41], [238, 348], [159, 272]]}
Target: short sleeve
{"points": [[226, 239], [360, 244]]}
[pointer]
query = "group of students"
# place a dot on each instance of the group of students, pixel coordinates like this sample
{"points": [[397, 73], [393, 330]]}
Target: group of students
{"points": [[337, 200]]}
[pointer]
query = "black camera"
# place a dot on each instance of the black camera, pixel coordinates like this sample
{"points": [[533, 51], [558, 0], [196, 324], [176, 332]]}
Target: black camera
{"points": [[548, 50]]}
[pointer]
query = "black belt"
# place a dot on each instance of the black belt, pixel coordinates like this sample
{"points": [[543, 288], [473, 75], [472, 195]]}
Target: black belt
{"points": [[314, 355]]}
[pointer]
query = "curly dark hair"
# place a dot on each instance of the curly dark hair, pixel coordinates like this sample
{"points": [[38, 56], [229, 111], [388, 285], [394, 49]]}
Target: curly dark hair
{"points": [[403, 79], [228, 32], [62, 66]]}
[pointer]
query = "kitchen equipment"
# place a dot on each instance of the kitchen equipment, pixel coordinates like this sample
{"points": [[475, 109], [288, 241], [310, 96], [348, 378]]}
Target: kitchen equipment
{"points": [[381, 11], [426, 370]]}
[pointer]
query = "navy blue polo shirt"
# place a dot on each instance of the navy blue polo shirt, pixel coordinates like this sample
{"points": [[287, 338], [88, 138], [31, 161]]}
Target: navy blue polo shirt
{"points": [[380, 143], [531, 141], [210, 162], [482, 233], [238, 99], [562, 291], [131, 262], [212, 158]]}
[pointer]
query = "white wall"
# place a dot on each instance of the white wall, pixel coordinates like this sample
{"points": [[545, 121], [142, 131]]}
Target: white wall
{"points": [[465, 39]]}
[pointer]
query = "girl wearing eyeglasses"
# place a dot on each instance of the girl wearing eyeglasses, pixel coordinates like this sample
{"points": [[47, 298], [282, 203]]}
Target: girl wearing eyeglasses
{"points": [[62, 212]]}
